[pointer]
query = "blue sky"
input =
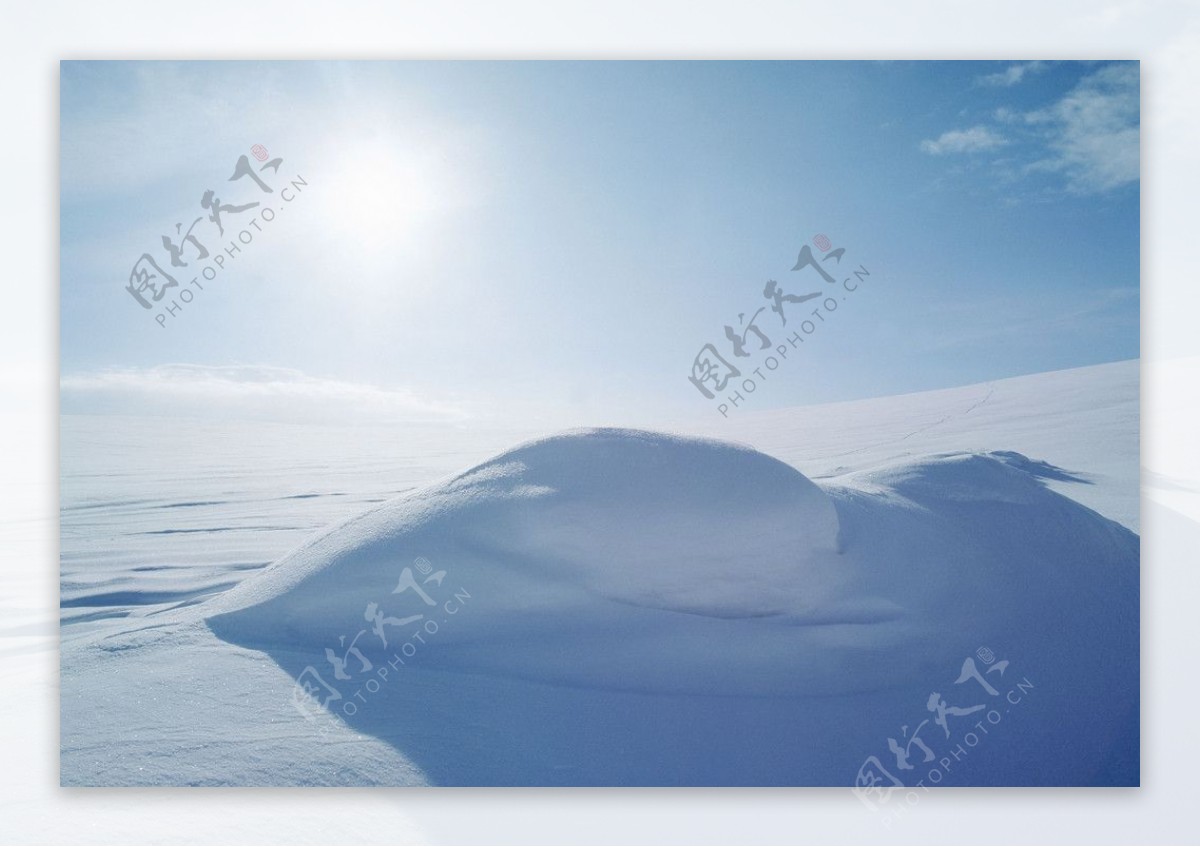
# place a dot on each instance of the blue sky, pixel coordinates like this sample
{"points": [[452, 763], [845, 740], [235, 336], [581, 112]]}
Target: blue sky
{"points": [[557, 241]]}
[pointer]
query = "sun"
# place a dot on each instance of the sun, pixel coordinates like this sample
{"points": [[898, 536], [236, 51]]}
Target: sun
{"points": [[384, 197]]}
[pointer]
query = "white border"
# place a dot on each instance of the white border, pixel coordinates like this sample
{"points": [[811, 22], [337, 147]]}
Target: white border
{"points": [[34, 37]]}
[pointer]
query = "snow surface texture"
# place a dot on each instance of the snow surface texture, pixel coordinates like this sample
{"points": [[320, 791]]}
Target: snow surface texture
{"points": [[618, 607]]}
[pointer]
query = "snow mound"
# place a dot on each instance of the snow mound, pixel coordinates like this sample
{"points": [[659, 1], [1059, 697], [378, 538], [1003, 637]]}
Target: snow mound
{"points": [[653, 520], [637, 561], [635, 517], [561, 541]]}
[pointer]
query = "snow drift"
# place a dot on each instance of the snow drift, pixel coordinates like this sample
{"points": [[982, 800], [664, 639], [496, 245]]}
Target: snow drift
{"points": [[604, 558], [629, 561]]}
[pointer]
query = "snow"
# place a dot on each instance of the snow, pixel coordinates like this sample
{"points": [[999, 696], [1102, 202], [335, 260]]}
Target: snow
{"points": [[1084, 420], [610, 606]]}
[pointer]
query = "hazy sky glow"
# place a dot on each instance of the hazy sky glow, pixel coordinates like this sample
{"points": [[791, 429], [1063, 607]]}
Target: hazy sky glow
{"points": [[557, 241]]}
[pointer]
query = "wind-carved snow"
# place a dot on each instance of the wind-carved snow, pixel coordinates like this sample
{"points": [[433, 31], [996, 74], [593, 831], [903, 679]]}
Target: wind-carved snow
{"points": [[640, 608], [679, 556], [630, 561], [636, 518]]}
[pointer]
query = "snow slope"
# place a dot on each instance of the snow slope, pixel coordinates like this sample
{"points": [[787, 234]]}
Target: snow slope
{"points": [[618, 607], [1084, 420]]}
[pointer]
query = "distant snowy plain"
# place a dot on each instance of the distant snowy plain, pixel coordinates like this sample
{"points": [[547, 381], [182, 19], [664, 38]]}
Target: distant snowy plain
{"points": [[763, 600]]}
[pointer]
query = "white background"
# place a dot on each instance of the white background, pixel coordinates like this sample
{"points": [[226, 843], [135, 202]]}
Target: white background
{"points": [[34, 37]]}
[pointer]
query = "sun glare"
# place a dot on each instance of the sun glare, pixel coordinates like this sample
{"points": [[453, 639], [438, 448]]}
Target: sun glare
{"points": [[382, 197]]}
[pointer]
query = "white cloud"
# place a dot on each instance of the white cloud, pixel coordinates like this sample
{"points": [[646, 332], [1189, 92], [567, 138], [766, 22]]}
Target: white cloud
{"points": [[1090, 137], [1093, 133], [247, 392], [1012, 74], [974, 140]]}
